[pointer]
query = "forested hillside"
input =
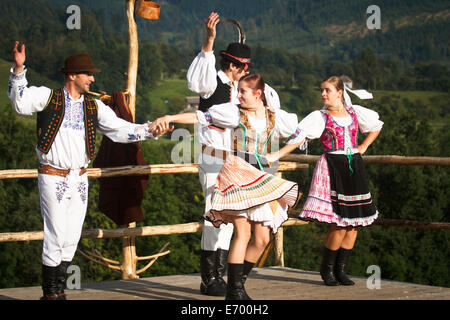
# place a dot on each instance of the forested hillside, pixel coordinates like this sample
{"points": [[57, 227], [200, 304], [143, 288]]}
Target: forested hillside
{"points": [[410, 29], [295, 44]]}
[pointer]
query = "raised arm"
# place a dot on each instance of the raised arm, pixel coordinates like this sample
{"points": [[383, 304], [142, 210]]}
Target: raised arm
{"points": [[202, 73], [210, 25], [25, 100]]}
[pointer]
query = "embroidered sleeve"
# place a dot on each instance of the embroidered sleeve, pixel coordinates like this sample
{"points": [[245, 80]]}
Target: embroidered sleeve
{"points": [[119, 130], [224, 115], [311, 127], [26, 100]]}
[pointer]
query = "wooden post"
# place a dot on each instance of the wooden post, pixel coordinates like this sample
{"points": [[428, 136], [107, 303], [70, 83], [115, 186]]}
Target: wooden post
{"points": [[133, 49], [129, 257], [278, 248]]}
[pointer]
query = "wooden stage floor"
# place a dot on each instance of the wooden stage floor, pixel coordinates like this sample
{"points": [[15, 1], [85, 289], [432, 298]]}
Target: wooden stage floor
{"points": [[269, 283]]}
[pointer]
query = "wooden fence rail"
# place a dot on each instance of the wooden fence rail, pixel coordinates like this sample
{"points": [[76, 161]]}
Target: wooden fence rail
{"points": [[193, 227], [290, 163]]}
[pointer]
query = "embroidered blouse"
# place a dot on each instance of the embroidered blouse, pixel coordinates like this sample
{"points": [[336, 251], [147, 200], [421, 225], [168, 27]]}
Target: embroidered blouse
{"points": [[228, 115], [68, 150], [313, 126]]}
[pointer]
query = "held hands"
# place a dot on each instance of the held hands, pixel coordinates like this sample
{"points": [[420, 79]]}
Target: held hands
{"points": [[160, 126], [19, 57]]}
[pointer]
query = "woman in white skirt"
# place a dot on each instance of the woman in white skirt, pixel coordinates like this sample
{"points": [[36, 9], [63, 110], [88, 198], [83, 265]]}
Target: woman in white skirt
{"points": [[339, 193], [245, 194]]}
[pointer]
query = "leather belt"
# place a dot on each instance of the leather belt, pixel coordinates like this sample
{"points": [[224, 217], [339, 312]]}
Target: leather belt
{"points": [[46, 169]]}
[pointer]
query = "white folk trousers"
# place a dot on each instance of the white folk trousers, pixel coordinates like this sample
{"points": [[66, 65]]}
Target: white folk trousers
{"points": [[212, 238], [63, 208]]}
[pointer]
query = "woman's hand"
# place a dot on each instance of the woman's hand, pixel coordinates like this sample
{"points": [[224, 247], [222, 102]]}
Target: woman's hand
{"points": [[362, 148], [272, 157]]}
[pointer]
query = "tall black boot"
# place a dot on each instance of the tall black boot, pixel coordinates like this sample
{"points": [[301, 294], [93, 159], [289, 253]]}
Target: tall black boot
{"points": [[208, 273], [220, 286], [341, 262], [62, 276], [235, 288], [248, 266], [327, 267], [49, 283]]}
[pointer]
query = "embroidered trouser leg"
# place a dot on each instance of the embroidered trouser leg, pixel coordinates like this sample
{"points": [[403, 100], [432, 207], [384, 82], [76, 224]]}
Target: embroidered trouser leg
{"points": [[63, 207], [212, 238]]}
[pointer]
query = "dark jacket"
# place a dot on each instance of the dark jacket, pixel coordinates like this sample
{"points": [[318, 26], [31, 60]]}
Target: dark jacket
{"points": [[120, 198]]}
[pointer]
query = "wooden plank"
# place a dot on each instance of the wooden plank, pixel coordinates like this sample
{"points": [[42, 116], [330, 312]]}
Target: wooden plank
{"points": [[385, 159], [270, 283]]}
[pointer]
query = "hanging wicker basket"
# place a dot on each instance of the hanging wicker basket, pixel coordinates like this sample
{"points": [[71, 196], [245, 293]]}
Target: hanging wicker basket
{"points": [[148, 9]]}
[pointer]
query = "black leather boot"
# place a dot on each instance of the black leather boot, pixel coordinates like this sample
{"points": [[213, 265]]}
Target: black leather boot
{"points": [[235, 288], [62, 276], [209, 286], [220, 286], [248, 266], [341, 262], [327, 267], [49, 283]]}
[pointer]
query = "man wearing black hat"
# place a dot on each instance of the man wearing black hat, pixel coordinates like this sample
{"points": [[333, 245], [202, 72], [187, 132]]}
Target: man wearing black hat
{"points": [[67, 120], [216, 87]]}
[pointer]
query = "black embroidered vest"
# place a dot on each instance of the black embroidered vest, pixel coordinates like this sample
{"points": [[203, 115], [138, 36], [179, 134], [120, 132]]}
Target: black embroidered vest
{"points": [[49, 121]]}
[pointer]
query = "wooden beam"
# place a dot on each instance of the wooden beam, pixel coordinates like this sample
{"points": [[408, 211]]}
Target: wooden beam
{"points": [[387, 159], [136, 170]]}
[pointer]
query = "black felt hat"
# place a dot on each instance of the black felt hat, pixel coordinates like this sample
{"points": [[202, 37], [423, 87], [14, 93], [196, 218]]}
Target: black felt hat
{"points": [[237, 52]]}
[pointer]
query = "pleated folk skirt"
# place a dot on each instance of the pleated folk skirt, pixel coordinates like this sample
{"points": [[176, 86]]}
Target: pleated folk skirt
{"points": [[242, 190], [338, 195]]}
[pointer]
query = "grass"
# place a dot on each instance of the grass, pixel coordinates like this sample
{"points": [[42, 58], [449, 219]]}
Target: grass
{"points": [[167, 89]]}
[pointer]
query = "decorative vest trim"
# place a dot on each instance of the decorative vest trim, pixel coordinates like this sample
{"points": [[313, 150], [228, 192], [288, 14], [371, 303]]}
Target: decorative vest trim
{"points": [[49, 121], [333, 136], [246, 139]]}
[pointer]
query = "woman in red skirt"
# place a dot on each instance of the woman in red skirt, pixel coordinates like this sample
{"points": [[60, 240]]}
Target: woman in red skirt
{"points": [[246, 194]]}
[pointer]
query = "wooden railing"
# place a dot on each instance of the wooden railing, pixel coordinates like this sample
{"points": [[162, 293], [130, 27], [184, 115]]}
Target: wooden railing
{"points": [[127, 267]]}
